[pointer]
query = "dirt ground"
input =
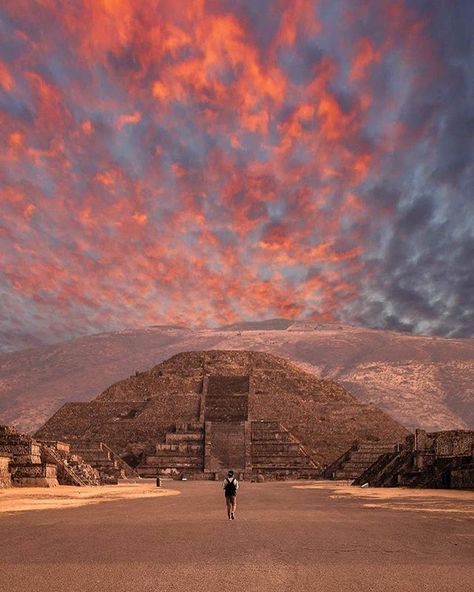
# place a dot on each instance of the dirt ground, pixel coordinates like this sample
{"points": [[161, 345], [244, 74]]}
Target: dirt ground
{"points": [[21, 499], [320, 537], [441, 501]]}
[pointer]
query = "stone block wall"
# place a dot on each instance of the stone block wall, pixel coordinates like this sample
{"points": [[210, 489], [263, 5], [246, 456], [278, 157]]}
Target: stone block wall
{"points": [[454, 443], [181, 453], [127, 427], [21, 447], [5, 477], [426, 459], [34, 475], [278, 454], [462, 479]]}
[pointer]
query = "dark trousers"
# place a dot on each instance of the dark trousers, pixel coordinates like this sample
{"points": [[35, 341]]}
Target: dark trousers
{"points": [[231, 503]]}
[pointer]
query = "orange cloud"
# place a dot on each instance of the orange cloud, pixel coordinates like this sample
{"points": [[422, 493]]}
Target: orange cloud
{"points": [[245, 176]]}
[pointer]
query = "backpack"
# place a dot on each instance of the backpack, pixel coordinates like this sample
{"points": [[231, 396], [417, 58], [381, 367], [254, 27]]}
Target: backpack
{"points": [[230, 487]]}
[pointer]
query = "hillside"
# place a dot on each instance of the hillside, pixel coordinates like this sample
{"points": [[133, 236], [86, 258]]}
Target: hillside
{"points": [[420, 381]]}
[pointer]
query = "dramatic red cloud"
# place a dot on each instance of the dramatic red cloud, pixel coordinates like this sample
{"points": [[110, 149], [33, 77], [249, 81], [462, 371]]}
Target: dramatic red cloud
{"points": [[197, 165]]}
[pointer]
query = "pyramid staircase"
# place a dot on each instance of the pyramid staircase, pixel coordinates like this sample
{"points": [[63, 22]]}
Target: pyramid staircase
{"points": [[385, 470], [277, 454], [356, 460], [102, 458], [71, 469], [181, 452]]}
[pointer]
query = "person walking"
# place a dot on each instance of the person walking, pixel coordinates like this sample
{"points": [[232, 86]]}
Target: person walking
{"points": [[231, 485]]}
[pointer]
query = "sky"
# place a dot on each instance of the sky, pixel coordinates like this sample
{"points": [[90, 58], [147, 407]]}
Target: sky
{"points": [[201, 162]]}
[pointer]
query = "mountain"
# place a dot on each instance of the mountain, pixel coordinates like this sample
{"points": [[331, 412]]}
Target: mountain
{"points": [[420, 381]]}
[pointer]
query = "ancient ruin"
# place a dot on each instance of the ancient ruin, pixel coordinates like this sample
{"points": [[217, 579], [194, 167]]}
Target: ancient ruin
{"points": [[24, 462], [435, 460], [200, 413], [5, 475], [27, 462]]}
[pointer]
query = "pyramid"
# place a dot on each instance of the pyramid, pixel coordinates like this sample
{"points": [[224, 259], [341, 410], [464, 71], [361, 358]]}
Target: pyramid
{"points": [[205, 411]]}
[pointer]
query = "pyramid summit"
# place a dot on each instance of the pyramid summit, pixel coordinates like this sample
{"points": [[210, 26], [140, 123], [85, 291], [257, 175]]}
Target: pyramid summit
{"points": [[204, 411]]}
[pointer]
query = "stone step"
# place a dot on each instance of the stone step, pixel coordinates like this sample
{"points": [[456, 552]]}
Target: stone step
{"points": [[226, 408], [282, 462], [346, 475], [102, 464], [188, 428], [172, 438], [358, 464], [275, 448], [97, 455], [193, 447], [271, 425], [271, 437], [179, 463], [365, 457], [153, 472], [375, 448], [172, 458]]}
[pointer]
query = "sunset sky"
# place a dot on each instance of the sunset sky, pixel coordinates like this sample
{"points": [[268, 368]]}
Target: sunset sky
{"points": [[206, 161]]}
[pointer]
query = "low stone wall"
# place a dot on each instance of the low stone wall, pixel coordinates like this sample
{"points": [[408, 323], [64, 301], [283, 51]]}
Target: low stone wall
{"points": [[453, 443], [34, 475], [462, 479], [21, 447]]}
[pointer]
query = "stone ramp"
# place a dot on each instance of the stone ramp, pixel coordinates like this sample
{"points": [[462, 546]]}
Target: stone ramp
{"points": [[226, 446], [384, 471]]}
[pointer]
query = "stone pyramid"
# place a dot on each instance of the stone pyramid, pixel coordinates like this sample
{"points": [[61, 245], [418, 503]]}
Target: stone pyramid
{"points": [[204, 411]]}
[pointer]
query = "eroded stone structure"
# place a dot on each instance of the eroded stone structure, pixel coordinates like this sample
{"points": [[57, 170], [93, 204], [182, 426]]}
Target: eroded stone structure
{"points": [[437, 460], [26, 466], [203, 412], [356, 460], [5, 477], [104, 460], [27, 462]]}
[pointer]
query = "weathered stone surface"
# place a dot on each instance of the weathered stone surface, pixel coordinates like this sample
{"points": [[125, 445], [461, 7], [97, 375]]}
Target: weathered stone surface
{"points": [[420, 381], [5, 477], [34, 475], [110, 466], [71, 468], [426, 459], [356, 460], [43, 463], [462, 478], [136, 414]]}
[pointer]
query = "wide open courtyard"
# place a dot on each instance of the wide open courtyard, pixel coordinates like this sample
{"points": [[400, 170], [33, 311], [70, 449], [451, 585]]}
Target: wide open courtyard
{"points": [[287, 536]]}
